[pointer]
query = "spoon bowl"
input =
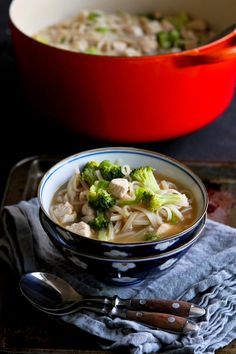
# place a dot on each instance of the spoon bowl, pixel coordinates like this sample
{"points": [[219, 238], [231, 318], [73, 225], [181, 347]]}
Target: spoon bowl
{"points": [[72, 308], [48, 291]]}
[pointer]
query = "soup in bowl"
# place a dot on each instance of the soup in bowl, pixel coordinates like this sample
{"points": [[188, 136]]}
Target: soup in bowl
{"points": [[121, 202]]}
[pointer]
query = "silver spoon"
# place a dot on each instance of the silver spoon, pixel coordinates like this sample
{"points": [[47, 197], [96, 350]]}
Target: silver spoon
{"points": [[53, 293], [70, 309]]}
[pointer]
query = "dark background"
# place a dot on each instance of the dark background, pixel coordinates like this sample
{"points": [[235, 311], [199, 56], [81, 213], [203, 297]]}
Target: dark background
{"points": [[25, 133]]}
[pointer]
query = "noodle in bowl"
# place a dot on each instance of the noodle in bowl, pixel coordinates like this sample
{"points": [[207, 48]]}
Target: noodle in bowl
{"points": [[62, 172]]}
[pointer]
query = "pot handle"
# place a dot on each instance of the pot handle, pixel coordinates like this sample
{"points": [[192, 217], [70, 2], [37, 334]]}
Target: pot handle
{"points": [[225, 53]]}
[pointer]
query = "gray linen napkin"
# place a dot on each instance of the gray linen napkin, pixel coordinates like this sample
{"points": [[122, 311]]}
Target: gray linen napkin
{"points": [[206, 275]]}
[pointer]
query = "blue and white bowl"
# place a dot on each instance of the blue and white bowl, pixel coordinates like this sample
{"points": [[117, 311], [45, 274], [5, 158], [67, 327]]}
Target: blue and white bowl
{"points": [[127, 271], [62, 171]]}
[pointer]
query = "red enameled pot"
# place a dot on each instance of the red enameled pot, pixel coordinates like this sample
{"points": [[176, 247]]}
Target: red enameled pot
{"points": [[126, 99]]}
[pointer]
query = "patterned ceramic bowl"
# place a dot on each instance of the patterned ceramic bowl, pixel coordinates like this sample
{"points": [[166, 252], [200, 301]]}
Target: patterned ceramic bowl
{"points": [[127, 271], [62, 171]]}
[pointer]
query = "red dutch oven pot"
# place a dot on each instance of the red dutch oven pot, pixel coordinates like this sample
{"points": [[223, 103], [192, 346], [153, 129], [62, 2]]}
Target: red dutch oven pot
{"points": [[125, 99]]}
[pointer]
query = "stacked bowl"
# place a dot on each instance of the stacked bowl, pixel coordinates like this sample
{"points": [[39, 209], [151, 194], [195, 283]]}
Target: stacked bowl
{"points": [[122, 263]]}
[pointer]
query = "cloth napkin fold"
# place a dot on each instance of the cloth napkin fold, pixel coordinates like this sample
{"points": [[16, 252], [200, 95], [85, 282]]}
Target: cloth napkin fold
{"points": [[205, 275]]}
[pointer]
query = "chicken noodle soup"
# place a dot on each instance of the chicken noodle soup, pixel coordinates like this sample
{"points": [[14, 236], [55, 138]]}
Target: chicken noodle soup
{"points": [[123, 34], [111, 202]]}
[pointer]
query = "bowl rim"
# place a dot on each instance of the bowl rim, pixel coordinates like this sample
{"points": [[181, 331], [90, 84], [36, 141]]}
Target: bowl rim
{"points": [[199, 231], [140, 151]]}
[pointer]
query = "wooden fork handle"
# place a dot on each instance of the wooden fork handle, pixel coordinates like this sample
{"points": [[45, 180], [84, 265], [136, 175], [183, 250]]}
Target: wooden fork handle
{"points": [[178, 308], [162, 321]]}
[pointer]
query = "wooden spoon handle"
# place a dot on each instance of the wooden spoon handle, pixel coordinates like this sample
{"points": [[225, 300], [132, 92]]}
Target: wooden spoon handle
{"points": [[162, 321]]}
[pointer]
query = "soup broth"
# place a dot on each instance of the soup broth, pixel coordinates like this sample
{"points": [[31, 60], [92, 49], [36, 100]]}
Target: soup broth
{"points": [[117, 204]]}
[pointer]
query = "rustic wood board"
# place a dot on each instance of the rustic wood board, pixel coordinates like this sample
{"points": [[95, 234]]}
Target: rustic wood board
{"points": [[22, 328]]}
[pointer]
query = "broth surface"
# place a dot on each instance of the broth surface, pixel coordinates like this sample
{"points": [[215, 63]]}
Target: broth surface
{"points": [[135, 206]]}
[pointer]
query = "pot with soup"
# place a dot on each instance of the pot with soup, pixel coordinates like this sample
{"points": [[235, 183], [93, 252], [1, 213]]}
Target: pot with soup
{"points": [[121, 202], [126, 70]]}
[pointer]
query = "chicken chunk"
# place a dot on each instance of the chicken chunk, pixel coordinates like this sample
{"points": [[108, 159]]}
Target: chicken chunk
{"points": [[72, 188], [62, 197], [167, 25], [80, 228], [87, 210], [151, 27], [197, 25], [118, 187], [134, 30], [65, 213], [131, 52], [148, 44], [166, 229], [83, 196], [188, 34], [81, 45], [87, 218], [119, 46]]}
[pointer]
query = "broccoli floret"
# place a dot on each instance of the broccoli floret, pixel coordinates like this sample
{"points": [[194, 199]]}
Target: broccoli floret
{"points": [[103, 29], [88, 173], [100, 222], [179, 21], [173, 219], [109, 171], [92, 50], [163, 39], [152, 236], [157, 200], [98, 196], [142, 196], [168, 39], [103, 235], [102, 184], [93, 15], [153, 201], [101, 200], [145, 176]]}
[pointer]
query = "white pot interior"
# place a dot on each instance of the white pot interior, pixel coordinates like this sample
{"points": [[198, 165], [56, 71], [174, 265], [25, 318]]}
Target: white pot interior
{"points": [[30, 16]]}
